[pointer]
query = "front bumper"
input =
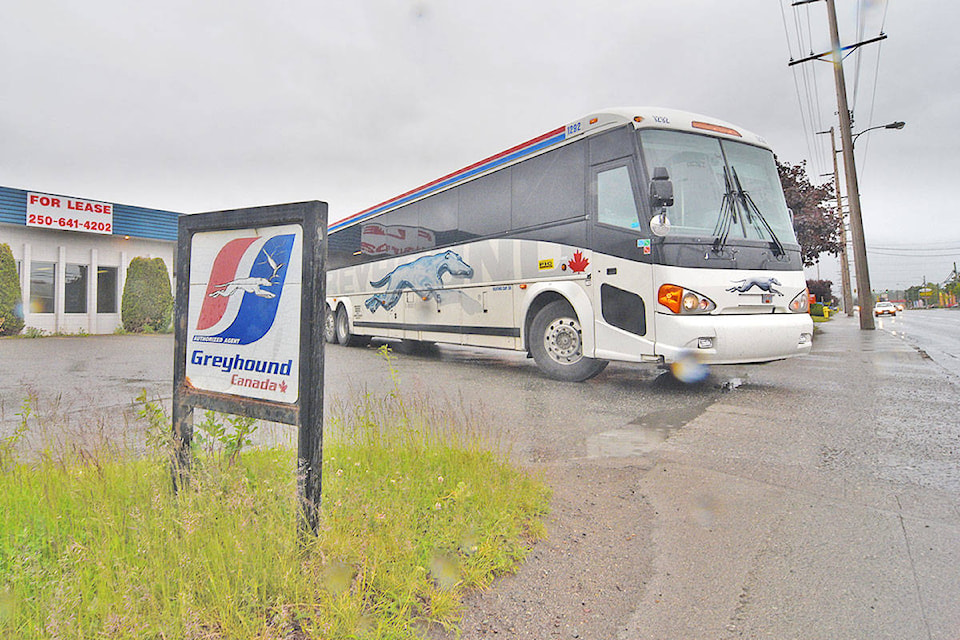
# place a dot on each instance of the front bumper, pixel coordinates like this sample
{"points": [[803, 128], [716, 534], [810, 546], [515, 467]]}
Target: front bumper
{"points": [[734, 339]]}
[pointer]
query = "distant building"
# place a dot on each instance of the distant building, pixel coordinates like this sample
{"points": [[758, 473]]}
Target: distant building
{"points": [[72, 255]]}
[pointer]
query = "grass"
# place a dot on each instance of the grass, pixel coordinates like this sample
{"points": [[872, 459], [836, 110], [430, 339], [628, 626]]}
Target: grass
{"points": [[415, 514]]}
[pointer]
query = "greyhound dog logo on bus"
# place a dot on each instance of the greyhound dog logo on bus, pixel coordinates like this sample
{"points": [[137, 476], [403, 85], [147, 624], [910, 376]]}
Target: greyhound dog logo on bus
{"points": [[764, 284], [423, 275]]}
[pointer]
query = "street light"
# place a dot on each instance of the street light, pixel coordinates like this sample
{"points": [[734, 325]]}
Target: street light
{"points": [[856, 223], [892, 125]]}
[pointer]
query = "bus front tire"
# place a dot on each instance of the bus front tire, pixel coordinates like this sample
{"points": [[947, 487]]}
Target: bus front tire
{"points": [[557, 347]]}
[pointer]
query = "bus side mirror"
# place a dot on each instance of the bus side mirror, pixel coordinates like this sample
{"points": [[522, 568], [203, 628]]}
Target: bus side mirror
{"points": [[661, 189]]}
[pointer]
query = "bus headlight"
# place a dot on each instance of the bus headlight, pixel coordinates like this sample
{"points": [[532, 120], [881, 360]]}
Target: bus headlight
{"points": [[801, 304], [684, 301]]}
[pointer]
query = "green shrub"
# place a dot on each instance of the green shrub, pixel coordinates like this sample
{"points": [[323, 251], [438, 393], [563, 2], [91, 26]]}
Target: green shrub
{"points": [[816, 309], [147, 303], [11, 307]]}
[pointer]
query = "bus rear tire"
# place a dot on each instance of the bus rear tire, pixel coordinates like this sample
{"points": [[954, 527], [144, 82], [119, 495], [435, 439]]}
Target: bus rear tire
{"points": [[344, 337], [557, 347], [329, 325]]}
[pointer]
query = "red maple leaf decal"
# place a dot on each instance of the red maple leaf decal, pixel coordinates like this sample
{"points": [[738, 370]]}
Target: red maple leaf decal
{"points": [[578, 264], [283, 386]]}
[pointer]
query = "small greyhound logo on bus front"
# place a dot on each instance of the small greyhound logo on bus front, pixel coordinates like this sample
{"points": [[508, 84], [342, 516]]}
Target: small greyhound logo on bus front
{"points": [[423, 275], [764, 284]]}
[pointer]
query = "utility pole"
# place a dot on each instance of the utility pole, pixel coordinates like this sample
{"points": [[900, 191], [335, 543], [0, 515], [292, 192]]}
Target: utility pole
{"points": [[844, 263], [864, 290]]}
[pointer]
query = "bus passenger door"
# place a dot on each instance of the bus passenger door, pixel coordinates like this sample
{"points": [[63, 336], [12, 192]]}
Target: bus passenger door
{"points": [[623, 294]]}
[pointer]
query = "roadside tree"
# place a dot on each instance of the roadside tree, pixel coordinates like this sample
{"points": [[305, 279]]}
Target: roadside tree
{"points": [[11, 306], [147, 303], [822, 289], [816, 222]]}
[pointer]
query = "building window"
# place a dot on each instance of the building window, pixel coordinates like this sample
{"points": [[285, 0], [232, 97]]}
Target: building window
{"points": [[106, 290], [75, 288], [43, 280]]}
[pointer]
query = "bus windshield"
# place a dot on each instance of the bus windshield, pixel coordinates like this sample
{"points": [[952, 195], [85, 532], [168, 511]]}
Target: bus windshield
{"points": [[704, 170]]}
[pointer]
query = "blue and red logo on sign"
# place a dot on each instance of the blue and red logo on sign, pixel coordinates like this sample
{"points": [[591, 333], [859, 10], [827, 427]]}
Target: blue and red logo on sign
{"points": [[258, 290]]}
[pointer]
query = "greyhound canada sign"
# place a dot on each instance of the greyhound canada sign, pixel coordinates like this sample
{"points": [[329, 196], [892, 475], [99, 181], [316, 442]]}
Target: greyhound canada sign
{"points": [[243, 323]]}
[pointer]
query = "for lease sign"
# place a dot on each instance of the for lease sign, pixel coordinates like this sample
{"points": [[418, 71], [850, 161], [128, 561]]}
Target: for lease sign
{"points": [[71, 214], [243, 322]]}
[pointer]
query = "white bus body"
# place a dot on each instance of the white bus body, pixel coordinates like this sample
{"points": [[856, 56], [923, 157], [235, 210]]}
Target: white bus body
{"points": [[552, 247]]}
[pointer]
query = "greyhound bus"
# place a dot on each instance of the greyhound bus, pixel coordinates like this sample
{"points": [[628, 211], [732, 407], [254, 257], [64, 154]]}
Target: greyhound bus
{"points": [[632, 234]]}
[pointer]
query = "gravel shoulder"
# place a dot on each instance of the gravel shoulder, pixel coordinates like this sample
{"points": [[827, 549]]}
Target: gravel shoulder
{"points": [[586, 577]]}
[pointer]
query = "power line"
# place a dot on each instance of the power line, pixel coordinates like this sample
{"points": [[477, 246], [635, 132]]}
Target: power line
{"points": [[942, 245], [915, 249], [856, 72], [876, 83], [805, 113], [893, 254]]}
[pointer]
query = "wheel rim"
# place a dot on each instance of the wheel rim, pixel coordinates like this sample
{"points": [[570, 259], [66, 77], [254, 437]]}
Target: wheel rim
{"points": [[343, 328], [330, 326], [562, 341]]}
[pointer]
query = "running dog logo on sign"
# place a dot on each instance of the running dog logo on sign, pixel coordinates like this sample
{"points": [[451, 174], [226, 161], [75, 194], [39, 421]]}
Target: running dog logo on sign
{"points": [[243, 323]]}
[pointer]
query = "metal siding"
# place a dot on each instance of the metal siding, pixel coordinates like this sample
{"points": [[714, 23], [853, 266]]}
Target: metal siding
{"points": [[138, 222], [144, 223], [13, 206]]}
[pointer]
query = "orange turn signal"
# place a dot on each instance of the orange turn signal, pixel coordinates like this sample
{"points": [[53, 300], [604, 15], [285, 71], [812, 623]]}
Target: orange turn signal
{"points": [[670, 296]]}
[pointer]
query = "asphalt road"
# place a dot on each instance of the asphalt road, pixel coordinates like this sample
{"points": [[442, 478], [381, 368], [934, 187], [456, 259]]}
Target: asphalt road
{"points": [[813, 498], [935, 331]]}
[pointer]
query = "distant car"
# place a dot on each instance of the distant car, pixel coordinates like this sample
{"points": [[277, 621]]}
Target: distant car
{"points": [[884, 307], [899, 307]]}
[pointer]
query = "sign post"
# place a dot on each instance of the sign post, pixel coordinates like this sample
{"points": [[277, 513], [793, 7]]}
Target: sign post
{"points": [[249, 328]]}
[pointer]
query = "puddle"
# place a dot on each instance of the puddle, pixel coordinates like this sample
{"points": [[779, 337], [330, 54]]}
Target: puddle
{"points": [[669, 420], [644, 434]]}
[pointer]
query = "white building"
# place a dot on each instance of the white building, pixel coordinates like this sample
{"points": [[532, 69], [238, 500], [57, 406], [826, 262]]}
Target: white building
{"points": [[72, 255]]}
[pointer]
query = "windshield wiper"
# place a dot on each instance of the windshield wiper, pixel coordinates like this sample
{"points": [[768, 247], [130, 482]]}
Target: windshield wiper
{"points": [[751, 207], [728, 215]]}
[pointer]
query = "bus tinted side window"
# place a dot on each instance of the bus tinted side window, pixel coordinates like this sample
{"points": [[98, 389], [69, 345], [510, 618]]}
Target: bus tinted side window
{"points": [[615, 202], [485, 205], [438, 219], [343, 248], [550, 187]]}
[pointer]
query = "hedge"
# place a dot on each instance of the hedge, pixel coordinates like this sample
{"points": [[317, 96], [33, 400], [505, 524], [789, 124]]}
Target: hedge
{"points": [[11, 306], [147, 303]]}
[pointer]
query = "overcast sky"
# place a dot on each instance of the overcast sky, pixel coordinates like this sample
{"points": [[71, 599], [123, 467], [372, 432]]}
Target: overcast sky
{"points": [[198, 106]]}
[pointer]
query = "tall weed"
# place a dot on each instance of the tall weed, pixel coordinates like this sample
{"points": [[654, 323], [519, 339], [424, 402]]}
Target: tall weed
{"points": [[415, 512]]}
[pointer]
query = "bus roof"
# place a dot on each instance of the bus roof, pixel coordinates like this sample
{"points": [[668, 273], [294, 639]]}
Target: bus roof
{"points": [[594, 123]]}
